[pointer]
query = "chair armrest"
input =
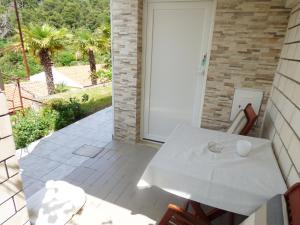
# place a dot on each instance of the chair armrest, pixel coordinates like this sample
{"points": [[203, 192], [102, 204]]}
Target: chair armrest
{"points": [[179, 216]]}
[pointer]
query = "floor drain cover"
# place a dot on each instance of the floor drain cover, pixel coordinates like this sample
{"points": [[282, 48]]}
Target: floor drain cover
{"points": [[88, 151]]}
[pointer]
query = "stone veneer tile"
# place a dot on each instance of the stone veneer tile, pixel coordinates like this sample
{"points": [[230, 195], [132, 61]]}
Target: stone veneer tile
{"points": [[286, 99], [297, 52], [289, 89], [7, 146], [245, 52], [279, 122], [296, 122], [126, 20], [20, 218], [19, 200], [294, 151], [3, 104], [7, 209], [277, 145], [286, 134], [11, 195], [10, 188], [295, 98], [5, 126], [285, 162], [293, 177], [3, 173], [288, 111], [12, 166]]}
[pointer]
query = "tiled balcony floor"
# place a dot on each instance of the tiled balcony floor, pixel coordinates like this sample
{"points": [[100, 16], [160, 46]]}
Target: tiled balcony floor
{"points": [[109, 179]]}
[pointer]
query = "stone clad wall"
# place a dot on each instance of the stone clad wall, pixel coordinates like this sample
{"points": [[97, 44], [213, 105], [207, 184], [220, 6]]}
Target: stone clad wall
{"points": [[13, 209], [247, 41], [126, 20], [282, 121]]}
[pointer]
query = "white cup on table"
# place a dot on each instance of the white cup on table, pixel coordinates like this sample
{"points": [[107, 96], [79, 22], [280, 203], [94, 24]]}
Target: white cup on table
{"points": [[243, 148]]}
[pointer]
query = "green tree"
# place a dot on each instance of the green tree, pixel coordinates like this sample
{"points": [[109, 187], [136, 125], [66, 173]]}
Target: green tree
{"points": [[42, 42], [89, 43]]}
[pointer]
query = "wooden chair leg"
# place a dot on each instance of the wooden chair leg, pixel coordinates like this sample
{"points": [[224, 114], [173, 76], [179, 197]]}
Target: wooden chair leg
{"points": [[187, 205], [231, 218], [215, 213], [166, 218], [211, 215]]}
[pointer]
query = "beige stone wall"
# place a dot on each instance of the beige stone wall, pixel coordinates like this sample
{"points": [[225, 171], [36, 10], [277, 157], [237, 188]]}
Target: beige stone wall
{"points": [[282, 121], [13, 209], [247, 41], [126, 20]]}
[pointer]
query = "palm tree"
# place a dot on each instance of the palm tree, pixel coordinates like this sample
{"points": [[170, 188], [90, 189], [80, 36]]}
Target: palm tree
{"points": [[89, 43], [42, 42]]}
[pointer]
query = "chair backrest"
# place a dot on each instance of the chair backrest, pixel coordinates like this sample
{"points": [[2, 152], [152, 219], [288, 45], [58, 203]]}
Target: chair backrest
{"points": [[251, 119], [244, 121], [292, 197], [238, 123]]}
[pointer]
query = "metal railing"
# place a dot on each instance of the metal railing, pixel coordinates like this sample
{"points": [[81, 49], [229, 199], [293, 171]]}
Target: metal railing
{"points": [[18, 89]]}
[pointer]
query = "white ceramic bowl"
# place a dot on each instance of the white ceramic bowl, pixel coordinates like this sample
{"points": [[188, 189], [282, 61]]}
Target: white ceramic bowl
{"points": [[243, 148]]}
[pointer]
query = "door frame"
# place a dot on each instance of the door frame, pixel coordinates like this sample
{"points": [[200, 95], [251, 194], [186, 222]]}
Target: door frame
{"points": [[144, 48]]}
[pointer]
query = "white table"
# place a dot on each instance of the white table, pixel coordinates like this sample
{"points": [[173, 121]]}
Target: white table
{"points": [[183, 166]]}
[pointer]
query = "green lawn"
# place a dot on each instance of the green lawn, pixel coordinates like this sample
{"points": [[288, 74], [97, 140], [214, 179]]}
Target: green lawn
{"points": [[98, 98], [60, 110]]}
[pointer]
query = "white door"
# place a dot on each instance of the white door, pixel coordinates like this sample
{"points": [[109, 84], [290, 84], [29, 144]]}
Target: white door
{"points": [[176, 45]]}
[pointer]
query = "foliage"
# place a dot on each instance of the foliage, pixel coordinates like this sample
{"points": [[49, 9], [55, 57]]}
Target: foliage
{"points": [[44, 38], [42, 42], [74, 15], [3, 43], [59, 13], [85, 98], [65, 13], [97, 41], [105, 74], [61, 88], [65, 111], [98, 98], [12, 64], [29, 127], [58, 113], [89, 43], [64, 58]]}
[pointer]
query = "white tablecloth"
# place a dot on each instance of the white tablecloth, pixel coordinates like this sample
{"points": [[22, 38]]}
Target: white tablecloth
{"points": [[184, 166]]}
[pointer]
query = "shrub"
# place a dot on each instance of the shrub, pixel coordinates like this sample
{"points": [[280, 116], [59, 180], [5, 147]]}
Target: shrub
{"points": [[30, 126], [85, 98], [58, 113], [64, 58], [64, 112], [105, 75], [60, 88]]}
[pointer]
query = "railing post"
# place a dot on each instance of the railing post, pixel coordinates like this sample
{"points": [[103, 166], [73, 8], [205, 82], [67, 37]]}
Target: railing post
{"points": [[20, 94], [1, 82]]}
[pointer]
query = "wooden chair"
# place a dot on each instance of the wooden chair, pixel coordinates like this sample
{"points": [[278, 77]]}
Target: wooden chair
{"points": [[244, 121], [251, 119], [292, 197], [178, 216]]}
